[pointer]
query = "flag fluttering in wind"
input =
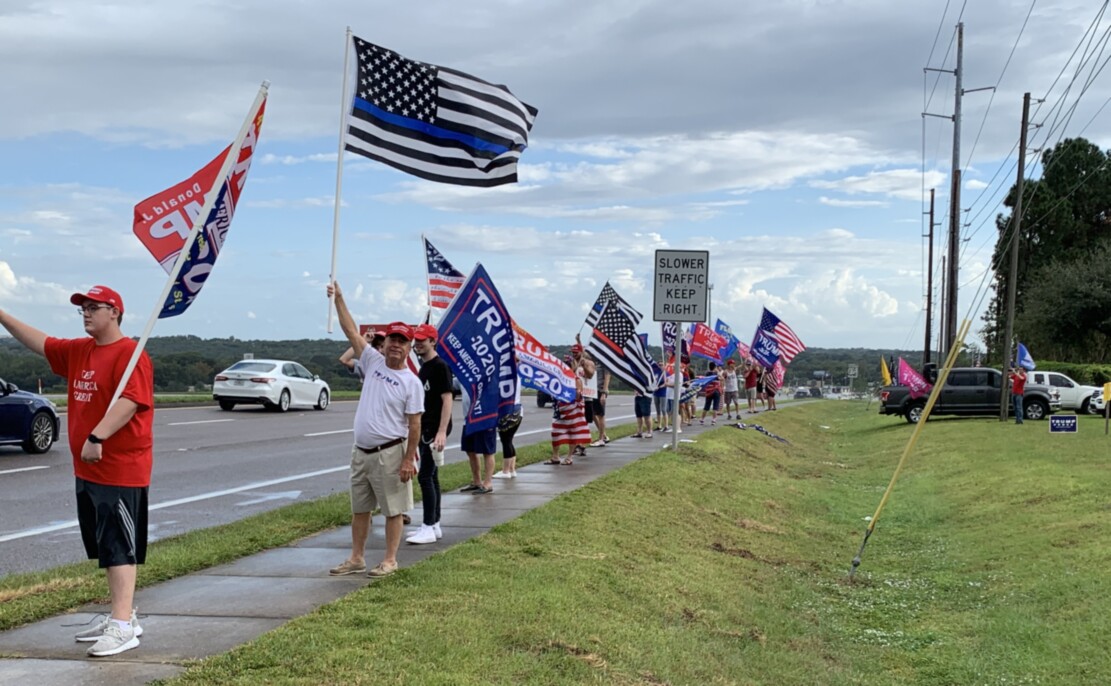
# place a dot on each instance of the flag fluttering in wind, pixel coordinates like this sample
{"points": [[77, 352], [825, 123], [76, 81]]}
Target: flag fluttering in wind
{"points": [[1024, 359], [707, 343], [732, 343], [539, 369], [444, 280], [913, 380], [606, 296], [434, 122], [789, 343], [477, 342], [615, 343], [163, 221], [884, 371], [669, 332]]}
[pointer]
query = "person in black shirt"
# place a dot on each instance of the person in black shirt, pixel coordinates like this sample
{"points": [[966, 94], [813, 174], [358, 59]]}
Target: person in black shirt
{"points": [[435, 427]]}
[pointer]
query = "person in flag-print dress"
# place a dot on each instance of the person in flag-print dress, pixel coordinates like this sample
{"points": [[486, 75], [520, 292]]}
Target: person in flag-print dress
{"points": [[569, 425]]}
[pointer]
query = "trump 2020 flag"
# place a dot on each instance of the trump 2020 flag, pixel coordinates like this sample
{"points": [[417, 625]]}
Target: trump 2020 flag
{"points": [[434, 122], [477, 342], [913, 380], [1024, 359], [765, 349], [731, 341], [706, 343], [540, 369], [163, 221]]}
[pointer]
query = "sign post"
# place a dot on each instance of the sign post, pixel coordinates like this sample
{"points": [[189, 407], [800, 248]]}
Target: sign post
{"points": [[680, 294]]}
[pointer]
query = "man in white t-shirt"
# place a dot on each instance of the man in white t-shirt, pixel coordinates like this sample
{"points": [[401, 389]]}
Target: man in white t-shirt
{"points": [[387, 433]]}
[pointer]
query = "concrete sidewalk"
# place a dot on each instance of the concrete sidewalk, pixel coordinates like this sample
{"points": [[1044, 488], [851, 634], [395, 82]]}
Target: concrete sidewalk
{"points": [[214, 610]]}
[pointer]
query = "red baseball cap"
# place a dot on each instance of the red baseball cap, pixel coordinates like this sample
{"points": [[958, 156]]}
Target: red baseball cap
{"points": [[400, 329], [730, 363], [425, 332], [100, 294], [576, 348]]}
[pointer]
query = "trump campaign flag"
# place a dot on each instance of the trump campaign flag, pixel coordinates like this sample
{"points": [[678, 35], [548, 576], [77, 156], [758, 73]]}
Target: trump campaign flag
{"points": [[477, 342], [788, 342], [765, 349], [732, 343], [164, 221], [913, 380], [1024, 359], [541, 370], [707, 343]]}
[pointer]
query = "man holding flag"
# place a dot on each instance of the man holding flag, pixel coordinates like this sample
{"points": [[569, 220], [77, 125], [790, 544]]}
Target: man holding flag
{"points": [[112, 447]]}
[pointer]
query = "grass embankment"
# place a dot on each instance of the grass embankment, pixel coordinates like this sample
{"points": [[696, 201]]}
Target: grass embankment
{"points": [[727, 563]]}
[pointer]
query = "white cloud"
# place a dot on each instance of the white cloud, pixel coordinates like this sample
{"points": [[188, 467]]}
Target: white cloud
{"points": [[975, 185], [834, 202], [903, 184]]}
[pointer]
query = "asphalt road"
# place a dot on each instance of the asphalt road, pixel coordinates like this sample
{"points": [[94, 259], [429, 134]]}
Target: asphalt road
{"points": [[210, 467]]}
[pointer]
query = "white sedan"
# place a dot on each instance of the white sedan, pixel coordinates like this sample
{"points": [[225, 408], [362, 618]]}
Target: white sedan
{"points": [[277, 384]]}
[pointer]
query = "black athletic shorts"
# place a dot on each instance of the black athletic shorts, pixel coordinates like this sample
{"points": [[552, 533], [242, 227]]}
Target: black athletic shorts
{"points": [[113, 523], [598, 408]]}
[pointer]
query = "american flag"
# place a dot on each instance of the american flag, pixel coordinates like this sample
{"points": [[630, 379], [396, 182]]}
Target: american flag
{"points": [[433, 122], [789, 343], [609, 295], [615, 343], [773, 378], [444, 280]]}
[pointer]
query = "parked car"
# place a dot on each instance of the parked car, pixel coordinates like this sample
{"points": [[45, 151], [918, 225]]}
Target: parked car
{"points": [[1074, 396], [276, 384], [27, 419], [802, 393], [1095, 402], [969, 391], [543, 399]]}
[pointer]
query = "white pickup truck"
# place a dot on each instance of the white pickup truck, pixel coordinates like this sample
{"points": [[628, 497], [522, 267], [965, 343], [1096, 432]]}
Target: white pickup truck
{"points": [[1074, 396]]}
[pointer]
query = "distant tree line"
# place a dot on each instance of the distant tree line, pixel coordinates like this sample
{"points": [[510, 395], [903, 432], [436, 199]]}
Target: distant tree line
{"points": [[183, 362]]}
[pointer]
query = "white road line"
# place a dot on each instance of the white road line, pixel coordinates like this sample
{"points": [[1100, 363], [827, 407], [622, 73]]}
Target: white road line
{"points": [[229, 491], [328, 433], [23, 469], [200, 421]]}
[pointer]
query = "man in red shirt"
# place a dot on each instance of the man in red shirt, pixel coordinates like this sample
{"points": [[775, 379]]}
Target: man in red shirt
{"points": [[1018, 387], [112, 448]]}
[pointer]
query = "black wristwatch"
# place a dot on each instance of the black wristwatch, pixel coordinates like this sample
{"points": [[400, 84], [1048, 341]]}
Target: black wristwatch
{"points": [[95, 440]]}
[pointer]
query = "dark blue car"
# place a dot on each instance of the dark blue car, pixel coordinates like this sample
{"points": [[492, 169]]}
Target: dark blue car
{"points": [[26, 419]]}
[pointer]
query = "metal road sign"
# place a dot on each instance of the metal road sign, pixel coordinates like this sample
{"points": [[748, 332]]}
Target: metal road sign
{"points": [[682, 279]]}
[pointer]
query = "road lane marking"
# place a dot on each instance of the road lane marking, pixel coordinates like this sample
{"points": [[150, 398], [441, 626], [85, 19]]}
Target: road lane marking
{"points": [[200, 421], [24, 469], [328, 433], [228, 491]]}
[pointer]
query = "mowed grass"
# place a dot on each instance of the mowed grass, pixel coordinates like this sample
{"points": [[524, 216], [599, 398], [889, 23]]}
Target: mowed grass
{"points": [[727, 562]]}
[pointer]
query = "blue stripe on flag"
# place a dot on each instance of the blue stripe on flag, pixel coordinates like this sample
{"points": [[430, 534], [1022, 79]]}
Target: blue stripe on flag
{"points": [[427, 129]]}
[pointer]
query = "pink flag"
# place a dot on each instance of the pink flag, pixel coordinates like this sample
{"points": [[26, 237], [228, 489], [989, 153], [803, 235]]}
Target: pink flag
{"points": [[913, 380]]}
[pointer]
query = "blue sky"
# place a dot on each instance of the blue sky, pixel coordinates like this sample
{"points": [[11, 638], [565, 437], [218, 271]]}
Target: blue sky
{"points": [[786, 139]]}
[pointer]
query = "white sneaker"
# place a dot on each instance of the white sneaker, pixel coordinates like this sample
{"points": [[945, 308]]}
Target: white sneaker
{"points": [[648, 435], [114, 641], [598, 443], [437, 530], [425, 534], [502, 475], [679, 430], [94, 634]]}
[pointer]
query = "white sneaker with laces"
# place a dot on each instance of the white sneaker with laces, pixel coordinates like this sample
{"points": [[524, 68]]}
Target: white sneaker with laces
{"points": [[502, 475], [437, 530], [94, 634], [114, 641], [425, 534], [598, 443]]}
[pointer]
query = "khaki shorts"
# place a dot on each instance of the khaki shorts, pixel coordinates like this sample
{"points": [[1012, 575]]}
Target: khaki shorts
{"points": [[375, 482]]}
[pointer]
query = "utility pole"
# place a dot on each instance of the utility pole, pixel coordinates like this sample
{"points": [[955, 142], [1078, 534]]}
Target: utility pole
{"points": [[949, 284], [944, 305], [955, 201], [929, 286], [1012, 278]]}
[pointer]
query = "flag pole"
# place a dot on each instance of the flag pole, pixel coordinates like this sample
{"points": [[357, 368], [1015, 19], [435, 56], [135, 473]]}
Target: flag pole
{"points": [[427, 283], [210, 197], [343, 108]]}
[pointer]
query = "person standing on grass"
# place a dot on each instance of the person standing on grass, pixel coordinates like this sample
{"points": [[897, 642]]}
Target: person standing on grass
{"points": [[659, 400], [507, 428], [1018, 387], [435, 425], [387, 433], [112, 449]]}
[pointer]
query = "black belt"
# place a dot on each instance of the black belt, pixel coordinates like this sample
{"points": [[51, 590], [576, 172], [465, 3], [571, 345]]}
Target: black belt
{"points": [[380, 448]]}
